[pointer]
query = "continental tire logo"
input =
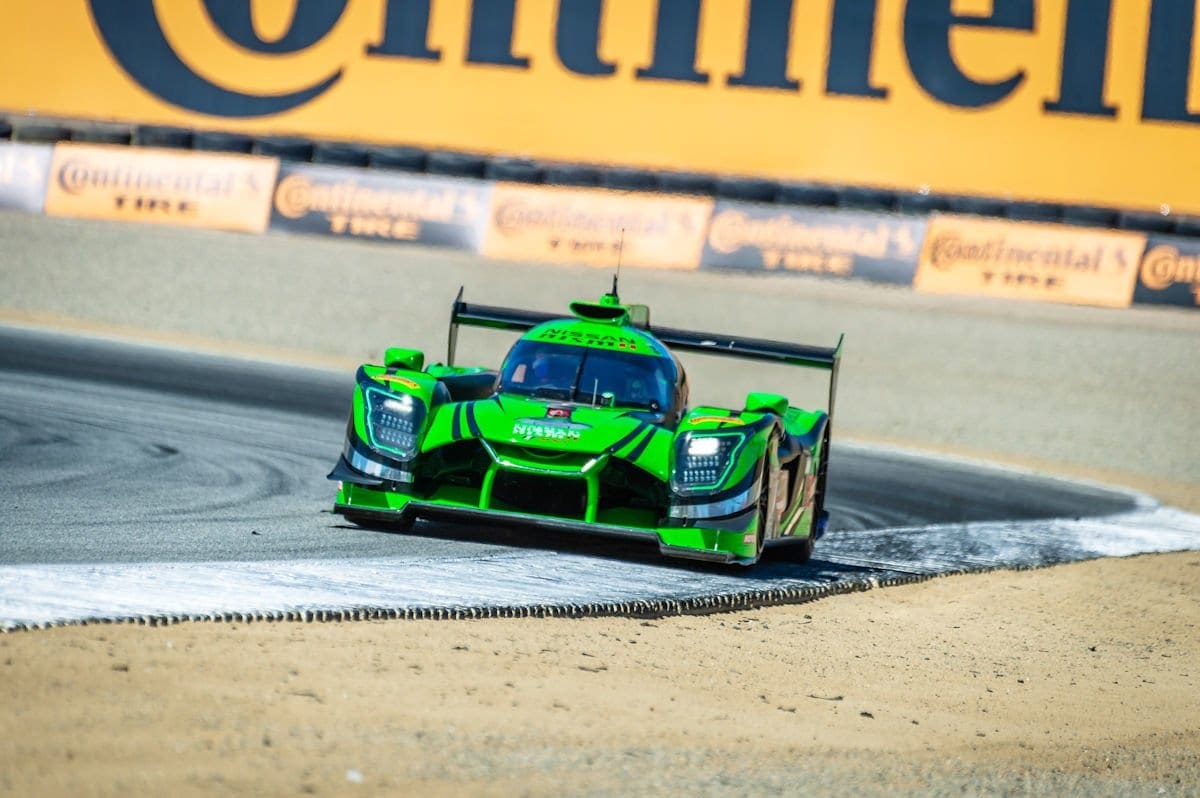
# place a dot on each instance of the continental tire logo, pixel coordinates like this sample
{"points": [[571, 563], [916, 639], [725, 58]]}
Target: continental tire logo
{"points": [[516, 216], [950, 250], [80, 175], [293, 196], [594, 226], [734, 230], [298, 195], [1164, 266], [229, 192], [134, 35]]}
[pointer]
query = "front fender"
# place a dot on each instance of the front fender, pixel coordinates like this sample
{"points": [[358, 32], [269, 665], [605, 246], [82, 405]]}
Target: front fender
{"points": [[405, 385], [740, 484]]}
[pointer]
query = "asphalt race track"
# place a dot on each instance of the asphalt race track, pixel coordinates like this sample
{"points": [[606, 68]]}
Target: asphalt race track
{"points": [[152, 484]]}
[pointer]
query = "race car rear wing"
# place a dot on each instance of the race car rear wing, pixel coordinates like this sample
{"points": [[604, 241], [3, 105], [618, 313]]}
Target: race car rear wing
{"points": [[820, 357]]}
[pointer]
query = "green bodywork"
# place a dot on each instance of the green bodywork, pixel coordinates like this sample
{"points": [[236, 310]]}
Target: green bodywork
{"points": [[443, 442]]}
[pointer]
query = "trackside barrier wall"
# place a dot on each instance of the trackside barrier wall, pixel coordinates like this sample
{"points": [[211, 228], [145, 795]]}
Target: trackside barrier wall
{"points": [[939, 254]]}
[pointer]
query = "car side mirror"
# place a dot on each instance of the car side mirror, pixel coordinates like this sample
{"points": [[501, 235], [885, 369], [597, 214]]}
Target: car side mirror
{"points": [[399, 357], [757, 402]]}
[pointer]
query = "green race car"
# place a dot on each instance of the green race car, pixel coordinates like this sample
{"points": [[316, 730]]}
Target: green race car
{"points": [[586, 427]]}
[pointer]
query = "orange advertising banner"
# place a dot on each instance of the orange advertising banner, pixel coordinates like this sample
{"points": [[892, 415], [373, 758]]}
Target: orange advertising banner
{"points": [[595, 227], [193, 189], [1170, 272], [1045, 262], [1004, 98]]}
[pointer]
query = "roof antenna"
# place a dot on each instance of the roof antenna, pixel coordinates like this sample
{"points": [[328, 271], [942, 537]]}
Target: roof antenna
{"points": [[617, 274]]}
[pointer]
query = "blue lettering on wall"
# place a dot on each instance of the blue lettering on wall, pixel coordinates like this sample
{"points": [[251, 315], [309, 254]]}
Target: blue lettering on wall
{"points": [[131, 30]]}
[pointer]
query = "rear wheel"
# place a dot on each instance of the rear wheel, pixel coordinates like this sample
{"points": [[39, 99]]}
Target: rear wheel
{"points": [[819, 514]]}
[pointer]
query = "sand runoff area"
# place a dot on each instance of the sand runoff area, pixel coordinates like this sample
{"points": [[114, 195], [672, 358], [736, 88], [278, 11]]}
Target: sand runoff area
{"points": [[1079, 679]]}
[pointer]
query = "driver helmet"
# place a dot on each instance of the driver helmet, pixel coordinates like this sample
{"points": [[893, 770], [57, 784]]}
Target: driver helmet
{"points": [[552, 368]]}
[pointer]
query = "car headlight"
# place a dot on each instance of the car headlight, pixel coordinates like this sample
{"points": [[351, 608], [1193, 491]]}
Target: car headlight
{"points": [[394, 422], [703, 460]]}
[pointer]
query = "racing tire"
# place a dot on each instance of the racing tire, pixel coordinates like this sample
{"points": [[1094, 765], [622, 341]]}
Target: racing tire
{"points": [[102, 134], [456, 164], [1145, 222], [40, 132], [630, 180], [746, 190], [761, 539], [571, 175], [514, 170], [162, 136], [401, 159], [686, 183], [220, 141], [813, 194], [921, 203], [866, 199], [976, 206], [797, 552], [1035, 212], [1187, 226], [337, 153], [1089, 216], [801, 552], [285, 148]]}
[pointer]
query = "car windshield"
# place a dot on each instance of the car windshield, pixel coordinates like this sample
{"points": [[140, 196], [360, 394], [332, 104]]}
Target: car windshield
{"points": [[591, 376]]}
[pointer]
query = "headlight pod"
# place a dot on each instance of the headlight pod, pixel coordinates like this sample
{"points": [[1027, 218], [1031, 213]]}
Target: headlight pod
{"points": [[394, 422], [703, 459]]}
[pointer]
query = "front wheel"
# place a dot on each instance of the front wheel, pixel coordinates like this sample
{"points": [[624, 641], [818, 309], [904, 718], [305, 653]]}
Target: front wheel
{"points": [[797, 551]]}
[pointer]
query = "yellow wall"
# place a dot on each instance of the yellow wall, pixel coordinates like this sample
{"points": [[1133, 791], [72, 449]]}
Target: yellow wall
{"points": [[54, 61]]}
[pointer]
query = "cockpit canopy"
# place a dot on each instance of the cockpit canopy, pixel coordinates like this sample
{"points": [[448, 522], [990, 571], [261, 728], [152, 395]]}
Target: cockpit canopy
{"points": [[590, 375]]}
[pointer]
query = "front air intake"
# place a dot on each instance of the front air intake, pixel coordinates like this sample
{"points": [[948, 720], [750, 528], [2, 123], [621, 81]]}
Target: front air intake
{"points": [[541, 495]]}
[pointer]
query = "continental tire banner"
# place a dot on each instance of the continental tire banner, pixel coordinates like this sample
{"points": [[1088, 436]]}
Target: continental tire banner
{"points": [[896, 93], [873, 246], [1170, 272], [1019, 260], [193, 189], [595, 227], [23, 171], [366, 203]]}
